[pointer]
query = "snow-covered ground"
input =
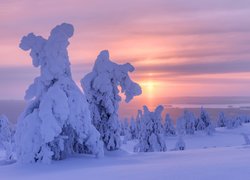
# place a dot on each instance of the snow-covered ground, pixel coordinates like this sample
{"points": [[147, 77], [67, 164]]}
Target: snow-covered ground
{"points": [[221, 156]]}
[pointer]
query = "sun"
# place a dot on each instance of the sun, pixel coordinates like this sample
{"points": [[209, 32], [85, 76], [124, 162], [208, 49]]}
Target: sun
{"points": [[148, 88]]}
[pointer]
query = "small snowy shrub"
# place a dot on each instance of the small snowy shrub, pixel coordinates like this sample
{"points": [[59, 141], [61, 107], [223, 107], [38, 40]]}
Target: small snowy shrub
{"points": [[56, 123], [101, 88], [246, 138], [180, 144], [151, 136]]}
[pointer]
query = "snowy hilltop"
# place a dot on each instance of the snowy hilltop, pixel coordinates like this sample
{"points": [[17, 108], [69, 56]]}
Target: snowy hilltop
{"points": [[56, 123], [101, 88]]}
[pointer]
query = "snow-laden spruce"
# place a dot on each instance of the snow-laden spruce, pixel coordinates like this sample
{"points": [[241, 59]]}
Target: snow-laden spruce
{"points": [[204, 122], [127, 133], [222, 121], [6, 137], [151, 136], [133, 129], [101, 88], [181, 126], [189, 121], [169, 128], [56, 123], [138, 122], [186, 123]]}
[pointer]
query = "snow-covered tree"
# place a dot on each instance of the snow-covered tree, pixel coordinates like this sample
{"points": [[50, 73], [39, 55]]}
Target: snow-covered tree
{"points": [[127, 133], [138, 122], [56, 123], [133, 129], [199, 125], [222, 121], [181, 126], [234, 122], [152, 133], [6, 137], [169, 128], [205, 123], [101, 88], [246, 139], [180, 144], [238, 121], [189, 122], [244, 118], [122, 129]]}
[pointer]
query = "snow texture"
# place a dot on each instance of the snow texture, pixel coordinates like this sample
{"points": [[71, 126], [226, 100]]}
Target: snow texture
{"points": [[101, 88], [151, 136], [56, 123]]}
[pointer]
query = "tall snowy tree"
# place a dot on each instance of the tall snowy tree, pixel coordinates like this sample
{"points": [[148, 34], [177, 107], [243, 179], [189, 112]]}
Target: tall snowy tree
{"points": [[169, 126], [138, 122], [56, 123], [181, 126], [152, 133], [101, 88], [205, 123], [6, 137], [127, 133], [133, 129], [189, 119], [234, 122], [122, 129], [222, 121]]}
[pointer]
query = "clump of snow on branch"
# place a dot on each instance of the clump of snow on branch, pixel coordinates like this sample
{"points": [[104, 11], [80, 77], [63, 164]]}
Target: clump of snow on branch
{"points": [[101, 88], [151, 136], [56, 123]]}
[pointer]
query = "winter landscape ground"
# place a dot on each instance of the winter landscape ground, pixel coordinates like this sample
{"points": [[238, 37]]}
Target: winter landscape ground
{"points": [[223, 155]]}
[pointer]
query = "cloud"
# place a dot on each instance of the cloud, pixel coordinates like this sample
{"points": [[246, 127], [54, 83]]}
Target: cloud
{"points": [[197, 68]]}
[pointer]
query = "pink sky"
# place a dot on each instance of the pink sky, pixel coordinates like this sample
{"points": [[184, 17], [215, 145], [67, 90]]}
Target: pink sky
{"points": [[179, 48]]}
